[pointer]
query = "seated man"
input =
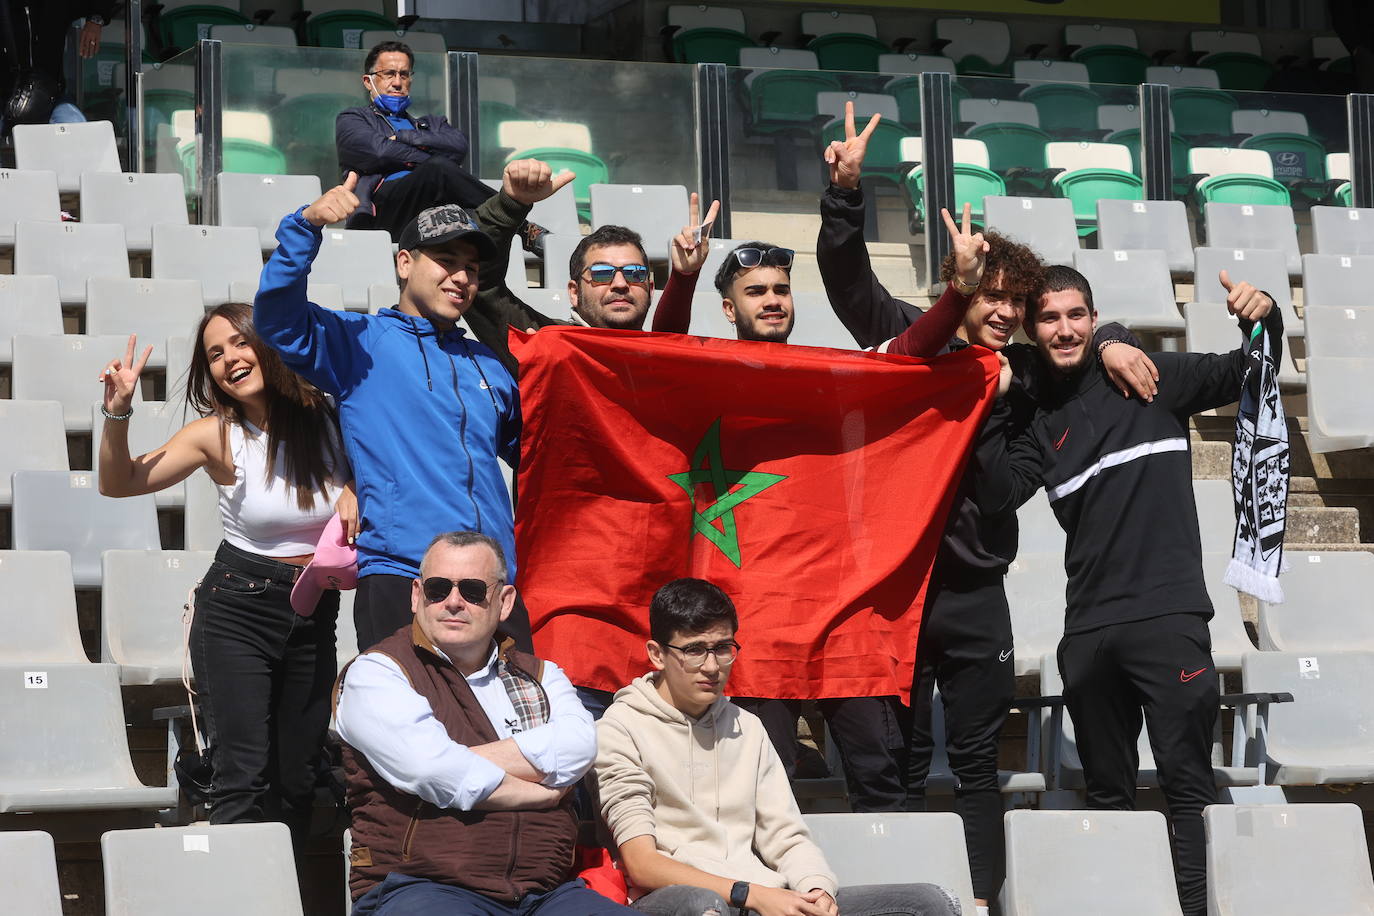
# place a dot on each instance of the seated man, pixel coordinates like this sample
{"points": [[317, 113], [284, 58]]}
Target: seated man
{"points": [[698, 806], [459, 754]]}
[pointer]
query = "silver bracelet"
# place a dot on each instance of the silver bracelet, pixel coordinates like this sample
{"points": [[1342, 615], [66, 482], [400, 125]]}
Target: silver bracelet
{"points": [[116, 416]]}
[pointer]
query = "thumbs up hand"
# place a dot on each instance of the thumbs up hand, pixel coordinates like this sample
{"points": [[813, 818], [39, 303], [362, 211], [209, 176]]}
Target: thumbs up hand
{"points": [[337, 204], [1243, 300]]}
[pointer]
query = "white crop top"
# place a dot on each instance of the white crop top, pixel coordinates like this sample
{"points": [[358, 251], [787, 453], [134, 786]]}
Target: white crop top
{"points": [[259, 513]]}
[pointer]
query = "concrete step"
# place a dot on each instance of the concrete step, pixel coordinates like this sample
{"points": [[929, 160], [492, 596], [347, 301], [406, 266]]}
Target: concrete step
{"points": [[1322, 525]]}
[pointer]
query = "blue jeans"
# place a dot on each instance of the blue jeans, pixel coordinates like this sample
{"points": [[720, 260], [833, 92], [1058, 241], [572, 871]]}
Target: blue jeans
{"points": [[66, 113], [402, 895], [864, 900]]}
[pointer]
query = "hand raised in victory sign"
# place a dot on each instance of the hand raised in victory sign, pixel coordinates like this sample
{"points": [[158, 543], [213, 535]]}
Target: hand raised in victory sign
{"points": [[528, 181], [121, 377], [846, 158], [690, 246], [1243, 300], [337, 204], [970, 248]]}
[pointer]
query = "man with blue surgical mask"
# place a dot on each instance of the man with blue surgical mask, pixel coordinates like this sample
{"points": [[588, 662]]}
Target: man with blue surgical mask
{"points": [[405, 163]]}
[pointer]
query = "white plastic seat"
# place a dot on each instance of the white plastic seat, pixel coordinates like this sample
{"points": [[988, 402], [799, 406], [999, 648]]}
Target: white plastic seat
{"points": [[1260, 121], [67, 149], [1118, 117], [28, 196], [525, 135], [1230, 642], [1339, 332], [35, 440], [28, 873], [1036, 584], [1337, 280], [83, 764], [686, 17], [1267, 226], [1216, 513], [245, 125], [153, 309], [558, 251], [915, 63], [837, 23], [1074, 155], [1085, 35], [866, 104], [153, 423], [989, 39], [1339, 411], [1338, 166], [1343, 230], [1263, 269], [28, 305], [65, 368], [998, 111], [1049, 70], [656, 212], [1326, 607], [214, 255], [940, 780], [1226, 160], [71, 252], [384, 296], [557, 214], [1045, 224], [135, 200], [63, 510], [1183, 77], [142, 597], [967, 151], [261, 201], [1130, 225], [38, 624], [1328, 49], [420, 41], [353, 260], [204, 530], [1210, 328], [252, 34], [1216, 41]]}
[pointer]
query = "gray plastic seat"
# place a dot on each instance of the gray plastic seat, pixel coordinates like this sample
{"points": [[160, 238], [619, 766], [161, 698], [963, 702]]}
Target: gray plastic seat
{"points": [[989, 39], [178, 366], [326, 295], [28, 873], [1216, 515], [38, 614], [28, 305], [557, 213], [35, 440], [1343, 230], [1326, 606], [1131, 225], [1132, 287], [27, 196], [896, 848], [1263, 269], [1326, 735], [136, 200], [1230, 641], [65, 747], [354, 259], [1064, 862], [1340, 332], [1273, 860], [557, 251], [998, 111], [214, 255], [1337, 280], [380, 296], [1210, 328], [152, 425], [224, 868], [142, 597], [816, 324], [204, 530], [419, 41], [153, 309], [63, 510], [261, 201], [941, 779], [656, 211], [1267, 226], [1340, 413], [1045, 224], [254, 34], [65, 368], [71, 252], [1035, 586], [67, 149], [552, 302], [345, 631]]}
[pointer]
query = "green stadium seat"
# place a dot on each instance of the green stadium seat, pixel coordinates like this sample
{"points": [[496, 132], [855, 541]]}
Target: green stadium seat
{"points": [[973, 180], [977, 46], [782, 88], [1299, 159], [844, 41], [1016, 146], [589, 168], [907, 89], [1236, 57], [883, 159], [706, 34], [303, 129], [1092, 172], [1111, 53], [1060, 94], [1236, 176], [240, 154], [1199, 111], [343, 28], [182, 27]]}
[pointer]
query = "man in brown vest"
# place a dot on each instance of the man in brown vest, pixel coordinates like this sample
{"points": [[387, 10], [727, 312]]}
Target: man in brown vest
{"points": [[460, 754]]}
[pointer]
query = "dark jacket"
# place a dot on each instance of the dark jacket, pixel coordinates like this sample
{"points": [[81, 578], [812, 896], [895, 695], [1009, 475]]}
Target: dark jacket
{"points": [[40, 28], [1119, 475], [503, 855], [362, 137]]}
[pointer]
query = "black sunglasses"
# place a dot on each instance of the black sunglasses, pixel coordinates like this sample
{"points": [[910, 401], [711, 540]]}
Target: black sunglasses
{"points": [[473, 591], [770, 257]]}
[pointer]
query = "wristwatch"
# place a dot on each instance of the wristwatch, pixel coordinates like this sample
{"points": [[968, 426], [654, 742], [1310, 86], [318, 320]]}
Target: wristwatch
{"points": [[98, 19], [739, 895]]}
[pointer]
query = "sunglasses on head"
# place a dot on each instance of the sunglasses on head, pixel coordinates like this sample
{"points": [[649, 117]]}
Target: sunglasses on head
{"points": [[770, 257], [602, 274], [473, 591]]}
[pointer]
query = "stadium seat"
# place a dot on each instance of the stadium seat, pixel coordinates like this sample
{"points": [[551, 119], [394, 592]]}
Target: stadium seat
{"points": [[153, 309], [253, 34], [1272, 860], [35, 440], [135, 200], [354, 259], [565, 146], [1325, 604], [28, 873], [706, 34], [977, 46], [214, 255], [141, 610], [1216, 513], [303, 127], [1236, 57], [782, 88], [973, 180], [656, 211], [557, 214], [1179, 146], [30, 196], [884, 158], [558, 250], [71, 252], [1337, 281], [1342, 230], [204, 530], [244, 868], [237, 154], [1045, 224], [1298, 159], [181, 27], [63, 510], [261, 201], [1263, 269], [83, 765], [1230, 641], [940, 780], [1338, 170], [1242, 225], [1128, 225], [67, 149], [328, 295], [843, 41], [1132, 287], [1326, 735], [1339, 411], [1016, 148], [1073, 861], [1177, 77], [1090, 173], [1339, 332], [153, 423], [343, 28], [1210, 328], [1110, 52], [384, 296], [896, 848], [28, 305], [65, 368], [981, 112], [420, 41], [1060, 92], [1199, 111], [38, 624], [817, 325], [1113, 118], [1236, 176], [1035, 593], [906, 89]]}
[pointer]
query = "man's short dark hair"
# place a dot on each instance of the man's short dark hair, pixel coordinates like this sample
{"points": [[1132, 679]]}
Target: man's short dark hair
{"points": [[606, 235], [1056, 279], [469, 539], [730, 267], [388, 47], [688, 606]]}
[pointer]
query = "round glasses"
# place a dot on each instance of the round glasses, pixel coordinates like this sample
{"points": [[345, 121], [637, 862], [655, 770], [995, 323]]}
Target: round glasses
{"points": [[694, 655]]}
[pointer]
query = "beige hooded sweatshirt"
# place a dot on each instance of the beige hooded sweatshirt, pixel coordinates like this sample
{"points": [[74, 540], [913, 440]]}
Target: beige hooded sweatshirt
{"points": [[711, 791]]}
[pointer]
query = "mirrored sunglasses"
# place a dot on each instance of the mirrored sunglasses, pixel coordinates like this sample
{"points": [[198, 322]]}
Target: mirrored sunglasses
{"points": [[602, 274]]}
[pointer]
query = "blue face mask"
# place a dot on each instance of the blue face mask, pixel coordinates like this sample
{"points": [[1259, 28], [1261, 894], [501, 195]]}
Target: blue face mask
{"points": [[393, 104]]}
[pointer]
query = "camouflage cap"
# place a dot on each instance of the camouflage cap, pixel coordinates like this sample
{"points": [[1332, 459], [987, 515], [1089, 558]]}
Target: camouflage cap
{"points": [[446, 223]]}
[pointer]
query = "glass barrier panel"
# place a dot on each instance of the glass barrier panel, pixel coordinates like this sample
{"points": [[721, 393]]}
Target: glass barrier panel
{"points": [[169, 104]]}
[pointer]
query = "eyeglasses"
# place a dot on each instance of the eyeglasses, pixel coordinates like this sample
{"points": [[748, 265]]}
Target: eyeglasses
{"points": [[473, 591], [602, 274], [771, 257], [694, 656], [390, 75]]}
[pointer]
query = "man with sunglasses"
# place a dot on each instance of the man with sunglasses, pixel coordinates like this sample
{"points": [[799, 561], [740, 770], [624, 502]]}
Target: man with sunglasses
{"points": [[459, 754], [755, 285]]}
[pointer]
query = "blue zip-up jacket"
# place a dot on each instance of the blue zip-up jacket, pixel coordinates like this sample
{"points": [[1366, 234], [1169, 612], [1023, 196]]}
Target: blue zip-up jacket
{"points": [[424, 415]]}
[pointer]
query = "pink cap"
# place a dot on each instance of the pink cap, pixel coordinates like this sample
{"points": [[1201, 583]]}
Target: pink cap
{"points": [[335, 565]]}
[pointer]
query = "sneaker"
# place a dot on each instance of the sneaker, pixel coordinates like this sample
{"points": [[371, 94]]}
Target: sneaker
{"points": [[532, 238]]}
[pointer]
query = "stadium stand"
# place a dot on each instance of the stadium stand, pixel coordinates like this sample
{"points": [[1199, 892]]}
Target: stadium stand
{"points": [[1243, 225], [1131, 225]]}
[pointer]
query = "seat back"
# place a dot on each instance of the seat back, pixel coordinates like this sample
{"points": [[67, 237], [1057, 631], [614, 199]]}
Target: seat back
{"points": [[354, 259], [967, 151], [65, 368], [656, 212], [1071, 156], [1133, 287], [142, 597], [1045, 224], [1214, 41], [71, 252], [1327, 732], [253, 34], [914, 63], [38, 616], [520, 135], [1084, 35], [153, 309], [35, 440], [136, 200], [1035, 584], [1230, 641], [419, 40], [1198, 110], [998, 111], [1229, 161], [1268, 226], [1118, 117], [975, 41], [1337, 280], [67, 149], [204, 527], [706, 17], [1261, 268], [215, 255], [1127, 225], [1342, 230], [1210, 328], [28, 196], [28, 872], [1326, 602], [261, 201], [1259, 121], [1183, 77], [834, 22], [1340, 415], [1049, 70], [817, 325], [1339, 332], [866, 104], [28, 305]]}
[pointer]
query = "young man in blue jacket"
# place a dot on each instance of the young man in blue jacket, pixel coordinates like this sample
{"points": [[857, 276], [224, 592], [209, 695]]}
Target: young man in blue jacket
{"points": [[425, 412]]}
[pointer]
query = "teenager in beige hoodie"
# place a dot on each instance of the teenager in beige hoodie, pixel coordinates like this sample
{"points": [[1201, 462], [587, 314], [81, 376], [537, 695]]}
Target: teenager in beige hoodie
{"points": [[699, 808]]}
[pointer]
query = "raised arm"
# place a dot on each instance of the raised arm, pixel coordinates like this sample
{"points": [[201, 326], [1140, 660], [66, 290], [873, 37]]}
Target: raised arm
{"points": [[932, 332], [689, 251]]}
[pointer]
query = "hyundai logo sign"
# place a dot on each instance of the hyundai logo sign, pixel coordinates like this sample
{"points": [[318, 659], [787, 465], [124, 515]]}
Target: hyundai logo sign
{"points": [[1287, 158]]}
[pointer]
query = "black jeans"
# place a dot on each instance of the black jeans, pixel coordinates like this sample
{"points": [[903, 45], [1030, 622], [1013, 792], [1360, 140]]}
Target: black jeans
{"points": [[382, 606], [434, 182], [264, 675]]}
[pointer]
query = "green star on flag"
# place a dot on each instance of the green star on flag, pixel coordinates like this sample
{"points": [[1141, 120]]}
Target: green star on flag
{"points": [[708, 467]]}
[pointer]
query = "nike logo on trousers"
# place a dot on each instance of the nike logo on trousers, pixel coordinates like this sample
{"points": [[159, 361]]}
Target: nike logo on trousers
{"points": [[1185, 678]]}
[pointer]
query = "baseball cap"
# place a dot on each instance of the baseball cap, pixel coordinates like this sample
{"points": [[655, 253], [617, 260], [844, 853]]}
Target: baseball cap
{"points": [[335, 565], [445, 223]]}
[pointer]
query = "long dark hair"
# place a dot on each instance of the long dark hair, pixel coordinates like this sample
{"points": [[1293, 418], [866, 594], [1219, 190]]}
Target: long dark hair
{"points": [[299, 418]]}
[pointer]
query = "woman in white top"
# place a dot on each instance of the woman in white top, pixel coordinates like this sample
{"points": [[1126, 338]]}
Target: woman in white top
{"points": [[264, 673]]}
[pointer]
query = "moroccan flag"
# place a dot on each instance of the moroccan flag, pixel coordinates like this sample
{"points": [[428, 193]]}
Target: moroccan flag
{"points": [[810, 484]]}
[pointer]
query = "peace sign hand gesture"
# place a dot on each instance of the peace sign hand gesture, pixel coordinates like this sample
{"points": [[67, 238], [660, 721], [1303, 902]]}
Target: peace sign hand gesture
{"points": [[121, 377], [970, 248], [846, 158], [690, 246]]}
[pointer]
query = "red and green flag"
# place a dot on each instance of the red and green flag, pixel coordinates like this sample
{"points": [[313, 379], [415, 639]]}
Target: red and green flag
{"points": [[810, 484]]}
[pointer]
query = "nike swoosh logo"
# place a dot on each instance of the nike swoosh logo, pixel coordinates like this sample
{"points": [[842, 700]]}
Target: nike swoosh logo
{"points": [[1004, 656], [1185, 678], [1061, 439]]}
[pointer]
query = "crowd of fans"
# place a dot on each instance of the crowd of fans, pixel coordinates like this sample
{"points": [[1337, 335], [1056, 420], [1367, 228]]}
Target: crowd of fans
{"points": [[461, 747]]}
